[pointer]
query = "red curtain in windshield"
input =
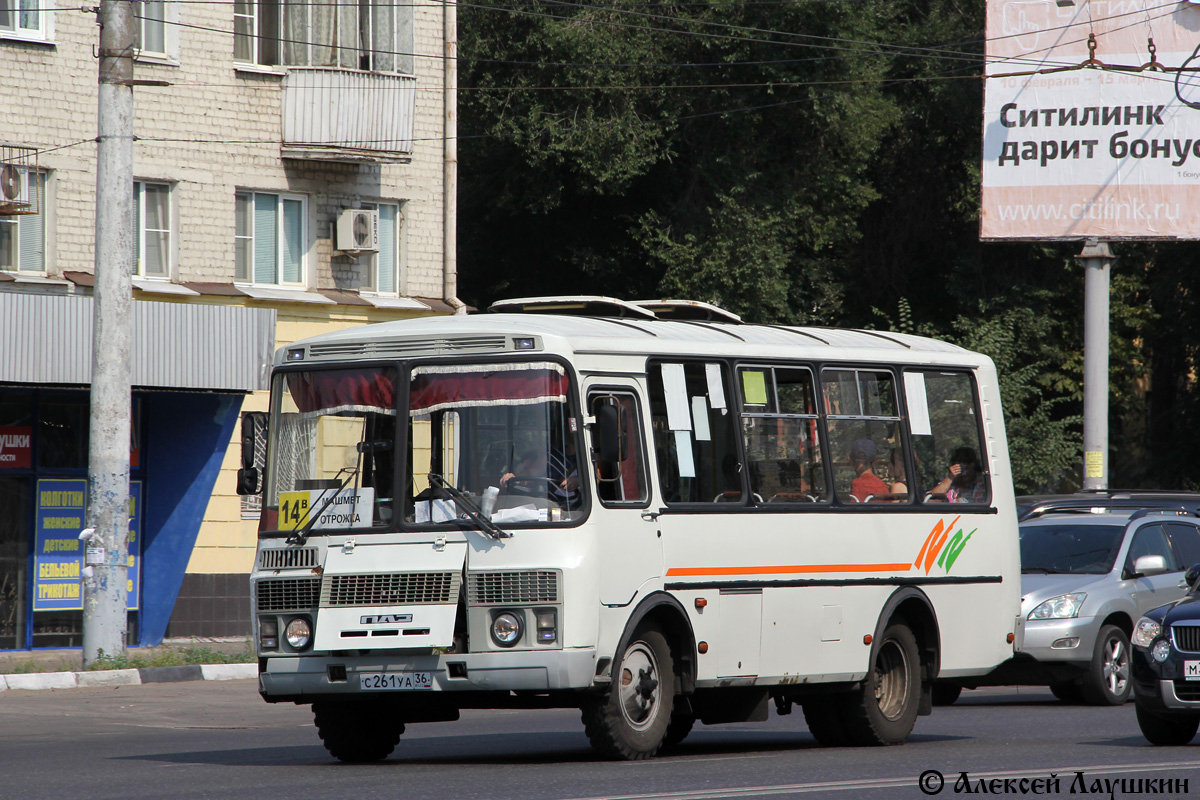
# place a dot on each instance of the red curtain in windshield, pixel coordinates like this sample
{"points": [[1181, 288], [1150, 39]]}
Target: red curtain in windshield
{"points": [[331, 391], [437, 388]]}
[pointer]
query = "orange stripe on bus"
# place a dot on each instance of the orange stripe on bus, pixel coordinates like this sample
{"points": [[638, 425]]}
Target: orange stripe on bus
{"points": [[788, 570]]}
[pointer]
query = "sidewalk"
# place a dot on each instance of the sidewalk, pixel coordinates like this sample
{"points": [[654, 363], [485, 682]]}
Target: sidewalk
{"points": [[63, 669]]}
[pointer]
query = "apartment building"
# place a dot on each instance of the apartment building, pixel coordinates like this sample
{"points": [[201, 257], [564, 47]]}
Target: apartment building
{"points": [[294, 168]]}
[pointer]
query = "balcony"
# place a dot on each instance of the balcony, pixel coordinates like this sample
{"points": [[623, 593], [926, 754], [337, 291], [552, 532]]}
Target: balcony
{"points": [[347, 115]]}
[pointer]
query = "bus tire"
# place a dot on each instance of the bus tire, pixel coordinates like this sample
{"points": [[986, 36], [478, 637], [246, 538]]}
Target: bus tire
{"points": [[629, 721], [356, 733], [883, 710], [678, 729], [823, 716]]}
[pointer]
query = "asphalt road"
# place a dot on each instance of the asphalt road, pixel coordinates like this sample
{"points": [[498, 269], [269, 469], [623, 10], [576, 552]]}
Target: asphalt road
{"points": [[219, 740]]}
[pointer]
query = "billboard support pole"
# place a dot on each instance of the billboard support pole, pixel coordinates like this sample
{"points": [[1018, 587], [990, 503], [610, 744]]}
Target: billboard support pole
{"points": [[1096, 259]]}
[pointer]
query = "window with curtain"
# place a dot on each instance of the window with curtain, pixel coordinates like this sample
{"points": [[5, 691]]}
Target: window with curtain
{"points": [[375, 35], [385, 267], [23, 236], [152, 226], [269, 237], [152, 26], [25, 18]]}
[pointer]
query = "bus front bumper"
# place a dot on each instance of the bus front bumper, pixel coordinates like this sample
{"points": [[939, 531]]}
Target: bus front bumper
{"points": [[305, 678]]}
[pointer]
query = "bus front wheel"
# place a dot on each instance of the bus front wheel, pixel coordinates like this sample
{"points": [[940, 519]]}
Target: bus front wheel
{"points": [[883, 710], [353, 732], [629, 721]]}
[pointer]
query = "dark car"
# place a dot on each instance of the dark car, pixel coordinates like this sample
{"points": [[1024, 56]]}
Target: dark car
{"points": [[1103, 500], [1166, 668]]}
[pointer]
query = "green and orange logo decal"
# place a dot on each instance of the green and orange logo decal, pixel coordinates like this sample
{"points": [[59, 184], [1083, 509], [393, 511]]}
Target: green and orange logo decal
{"points": [[941, 547]]}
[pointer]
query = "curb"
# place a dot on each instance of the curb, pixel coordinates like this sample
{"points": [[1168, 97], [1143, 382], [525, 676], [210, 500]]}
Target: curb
{"points": [[34, 681]]}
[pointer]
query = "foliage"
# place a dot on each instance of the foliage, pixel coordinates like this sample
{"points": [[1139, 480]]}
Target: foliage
{"points": [[808, 163], [173, 657]]}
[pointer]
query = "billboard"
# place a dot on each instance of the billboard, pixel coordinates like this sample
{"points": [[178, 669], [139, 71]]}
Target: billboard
{"points": [[1110, 150]]}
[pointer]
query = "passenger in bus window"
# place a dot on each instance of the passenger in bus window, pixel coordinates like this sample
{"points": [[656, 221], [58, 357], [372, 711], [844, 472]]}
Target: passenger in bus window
{"points": [[899, 487], [966, 482], [867, 485]]}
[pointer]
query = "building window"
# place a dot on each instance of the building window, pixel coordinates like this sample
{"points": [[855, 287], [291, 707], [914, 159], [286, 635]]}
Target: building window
{"points": [[372, 35], [152, 221], [385, 268], [152, 27], [269, 237], [24, 18], [23, 236]]}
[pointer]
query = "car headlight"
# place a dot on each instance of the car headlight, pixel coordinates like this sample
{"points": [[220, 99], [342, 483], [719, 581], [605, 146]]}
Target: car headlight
{"points": [[298, 633], [1161, 650], [506, 629], [1145, 631], [1065, 606]]}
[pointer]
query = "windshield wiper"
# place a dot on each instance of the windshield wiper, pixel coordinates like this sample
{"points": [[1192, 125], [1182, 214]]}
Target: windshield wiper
{"points": [[301, 536], [469, 506]]}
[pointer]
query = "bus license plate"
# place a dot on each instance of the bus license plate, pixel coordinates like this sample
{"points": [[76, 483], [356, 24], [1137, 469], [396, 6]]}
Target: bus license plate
{"points": [[396, 681]]}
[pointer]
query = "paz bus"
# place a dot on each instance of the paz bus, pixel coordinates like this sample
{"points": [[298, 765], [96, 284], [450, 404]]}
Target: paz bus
{"points": [[650, 511]]}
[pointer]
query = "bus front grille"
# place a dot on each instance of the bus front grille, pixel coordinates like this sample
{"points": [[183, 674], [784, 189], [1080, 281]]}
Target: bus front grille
{"points": [[390, 589], [288, 558], [286, 594], [502, 588]]}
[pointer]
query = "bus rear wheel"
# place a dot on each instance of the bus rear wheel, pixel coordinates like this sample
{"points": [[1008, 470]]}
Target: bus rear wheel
{"points": [[883, 710], [355, 732], [629, 721]]}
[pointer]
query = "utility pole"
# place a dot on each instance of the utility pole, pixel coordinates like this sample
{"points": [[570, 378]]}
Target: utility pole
{"points": [[106, 571], [1097, 259]]}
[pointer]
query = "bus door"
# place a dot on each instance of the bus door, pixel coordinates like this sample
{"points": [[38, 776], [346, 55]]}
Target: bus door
{"points": [[711, 546], [630, 549]]}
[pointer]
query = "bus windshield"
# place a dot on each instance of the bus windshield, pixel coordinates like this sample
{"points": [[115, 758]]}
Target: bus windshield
{"points": [[503, 435]]}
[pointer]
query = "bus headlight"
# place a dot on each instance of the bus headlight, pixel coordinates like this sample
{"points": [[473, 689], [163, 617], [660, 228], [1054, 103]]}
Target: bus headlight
{"points": [[298, 633], [547, 626], [506, 628], [268, 633]]}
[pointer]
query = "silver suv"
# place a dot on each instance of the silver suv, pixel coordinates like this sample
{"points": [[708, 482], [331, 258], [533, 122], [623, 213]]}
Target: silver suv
{"points": [[1086, 579]]}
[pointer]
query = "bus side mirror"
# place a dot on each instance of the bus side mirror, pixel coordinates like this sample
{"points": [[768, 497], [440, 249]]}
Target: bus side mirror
{"points": [[247, 481], [610, 426], [254, 426]]}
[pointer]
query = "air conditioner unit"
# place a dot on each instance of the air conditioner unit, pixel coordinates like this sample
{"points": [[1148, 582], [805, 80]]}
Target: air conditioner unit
{"points": [[14, 186], [357, 230]]}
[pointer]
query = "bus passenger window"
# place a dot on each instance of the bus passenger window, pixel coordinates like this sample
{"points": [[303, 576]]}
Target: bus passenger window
{"points": [[863, 423], [620, 480], [694, 439], [781, 435], [949, 461]]}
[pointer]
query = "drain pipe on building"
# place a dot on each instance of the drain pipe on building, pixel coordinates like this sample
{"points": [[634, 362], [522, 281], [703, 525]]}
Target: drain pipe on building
{"points": [[450, 158]]}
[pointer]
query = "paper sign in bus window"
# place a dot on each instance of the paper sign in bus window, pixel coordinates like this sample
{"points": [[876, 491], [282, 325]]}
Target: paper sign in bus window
{"points": [[918, 404], [754, 387], [675, 391], [700, 419], [716, 389], [683, 453]]}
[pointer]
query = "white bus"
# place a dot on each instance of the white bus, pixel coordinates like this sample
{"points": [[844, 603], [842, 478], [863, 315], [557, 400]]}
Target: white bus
{"points": [[649, 511]]}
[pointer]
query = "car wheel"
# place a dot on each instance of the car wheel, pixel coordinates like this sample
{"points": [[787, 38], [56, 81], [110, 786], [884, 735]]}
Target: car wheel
{"points": [[944, 694], [1106, 682], [1068, 692], [1167, 729]]}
